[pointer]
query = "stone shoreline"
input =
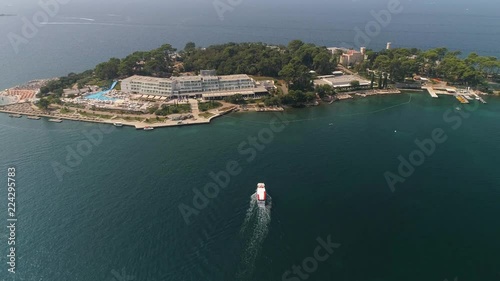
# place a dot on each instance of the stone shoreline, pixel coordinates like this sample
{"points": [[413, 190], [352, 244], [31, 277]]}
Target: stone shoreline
{"points": [[136, 124]]}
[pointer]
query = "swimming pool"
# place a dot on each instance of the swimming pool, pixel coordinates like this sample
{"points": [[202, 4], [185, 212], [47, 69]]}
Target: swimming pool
{"points": [[101, 95]]}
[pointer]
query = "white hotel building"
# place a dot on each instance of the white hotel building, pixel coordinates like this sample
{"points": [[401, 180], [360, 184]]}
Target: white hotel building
{"points": [[206, 85]]}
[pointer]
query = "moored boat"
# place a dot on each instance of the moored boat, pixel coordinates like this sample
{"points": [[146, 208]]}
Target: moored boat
{"points": [[148, 128], [15, 116], [118, 124], [34, 117], [55, 120]]}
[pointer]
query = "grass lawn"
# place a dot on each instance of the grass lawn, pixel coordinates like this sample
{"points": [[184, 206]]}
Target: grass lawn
{"points": [[66, 110], [206, 106], [206, 115]]}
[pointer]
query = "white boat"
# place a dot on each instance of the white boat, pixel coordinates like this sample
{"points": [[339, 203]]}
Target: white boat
{"points": [[118, 124], [261, 195], [148, 128], [33, 117], [15, 116], [55, 120]]}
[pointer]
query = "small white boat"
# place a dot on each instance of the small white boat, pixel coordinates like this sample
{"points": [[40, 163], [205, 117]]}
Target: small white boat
{"points": [[15, 116], [118, 124], [261, 195], [33, 117], [148, 128], [55, 120]]}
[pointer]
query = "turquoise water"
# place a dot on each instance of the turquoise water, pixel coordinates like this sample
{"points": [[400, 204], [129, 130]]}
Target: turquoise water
{"points": [[101, 95], [119, 208]]}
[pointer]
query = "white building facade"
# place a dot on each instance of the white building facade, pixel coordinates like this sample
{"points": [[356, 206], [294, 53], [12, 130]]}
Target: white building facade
{"points": [[186, 85]]}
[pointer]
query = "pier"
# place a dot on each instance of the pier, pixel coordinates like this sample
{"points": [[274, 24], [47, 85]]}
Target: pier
{"points": [[479, 98], [431, 92]]}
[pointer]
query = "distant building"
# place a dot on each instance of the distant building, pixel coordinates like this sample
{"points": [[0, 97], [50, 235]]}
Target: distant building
{"points": [[342, 82], [389, 45], [205, 85], [351, 57]]}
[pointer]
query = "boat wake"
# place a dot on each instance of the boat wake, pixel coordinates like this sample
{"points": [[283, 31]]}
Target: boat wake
{"points": [[253, 232]]}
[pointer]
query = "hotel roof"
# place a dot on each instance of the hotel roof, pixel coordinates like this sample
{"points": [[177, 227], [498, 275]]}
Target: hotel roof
{"points": [[343, 81], [184, 78]]}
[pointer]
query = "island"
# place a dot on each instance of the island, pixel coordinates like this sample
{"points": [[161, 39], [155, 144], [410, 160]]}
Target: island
{"points": [[169, 87]]}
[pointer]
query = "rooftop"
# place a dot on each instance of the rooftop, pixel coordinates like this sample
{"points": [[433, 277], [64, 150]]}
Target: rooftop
{"points": [[341, 81], [184, 78]]}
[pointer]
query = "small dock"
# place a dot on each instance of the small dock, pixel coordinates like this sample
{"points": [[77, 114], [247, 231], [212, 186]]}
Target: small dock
{"points": [[479, 98], [431, 91]]}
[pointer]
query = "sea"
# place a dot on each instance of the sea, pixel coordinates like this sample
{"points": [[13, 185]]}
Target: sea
{"points": [[387, 188]]}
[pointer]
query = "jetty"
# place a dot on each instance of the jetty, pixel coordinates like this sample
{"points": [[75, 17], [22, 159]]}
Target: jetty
{"points": [[479, 98], [431, 91]]}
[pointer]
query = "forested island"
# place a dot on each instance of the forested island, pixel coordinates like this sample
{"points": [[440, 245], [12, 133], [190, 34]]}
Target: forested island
{"points": [[296, 64]]}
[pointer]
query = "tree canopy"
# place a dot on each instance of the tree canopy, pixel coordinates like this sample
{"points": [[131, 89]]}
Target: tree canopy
{"points": [[295, 63], [441, 63]]}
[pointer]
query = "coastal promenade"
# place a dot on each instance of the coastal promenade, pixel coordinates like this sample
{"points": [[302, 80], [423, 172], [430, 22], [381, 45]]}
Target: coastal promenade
{"points": [[26, 109], [366, 93]]}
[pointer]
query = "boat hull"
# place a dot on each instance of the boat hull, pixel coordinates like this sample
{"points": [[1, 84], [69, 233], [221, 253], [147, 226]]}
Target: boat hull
{"points": [[261, 204]]}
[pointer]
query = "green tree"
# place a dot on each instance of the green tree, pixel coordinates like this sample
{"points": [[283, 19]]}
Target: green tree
{"points": [[296, 75], [108, 70], [43, 103], [190, 47], [355, 84], [235, 99]]}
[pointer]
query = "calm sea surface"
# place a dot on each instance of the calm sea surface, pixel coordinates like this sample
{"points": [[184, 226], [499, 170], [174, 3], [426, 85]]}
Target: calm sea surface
{"points": [[117, 212]]}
